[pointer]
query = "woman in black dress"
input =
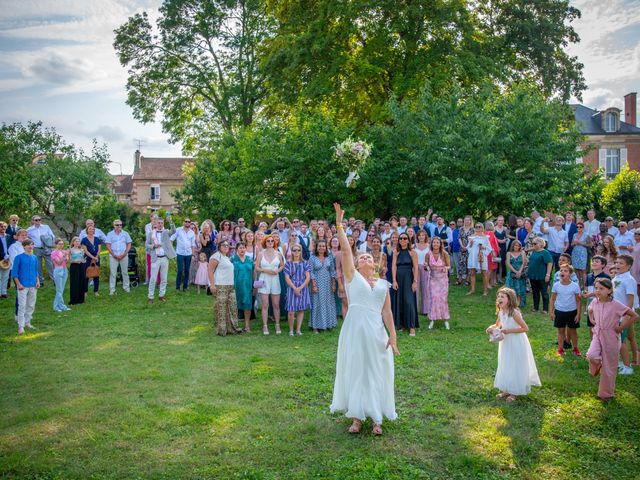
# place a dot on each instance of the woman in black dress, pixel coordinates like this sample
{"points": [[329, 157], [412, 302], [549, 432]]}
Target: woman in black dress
{"points": [[91, 248], [405, 283], [76, 273]]}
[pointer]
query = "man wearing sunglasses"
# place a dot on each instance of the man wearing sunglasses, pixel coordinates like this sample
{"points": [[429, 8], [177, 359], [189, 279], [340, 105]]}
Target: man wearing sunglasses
{"points": [[118, 245], [42, 237]]}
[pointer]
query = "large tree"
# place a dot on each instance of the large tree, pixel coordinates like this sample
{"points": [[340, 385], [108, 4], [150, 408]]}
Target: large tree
{"points": [[43, 174], [483, 152], [354, 56], [198, 68]]}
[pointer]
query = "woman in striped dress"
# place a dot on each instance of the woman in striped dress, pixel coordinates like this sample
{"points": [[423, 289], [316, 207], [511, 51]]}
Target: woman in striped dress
{"points": [[297, 274]]}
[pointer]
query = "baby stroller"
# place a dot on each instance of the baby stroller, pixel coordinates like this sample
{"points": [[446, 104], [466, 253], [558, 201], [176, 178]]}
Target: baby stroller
{"points": [[132, 269]]}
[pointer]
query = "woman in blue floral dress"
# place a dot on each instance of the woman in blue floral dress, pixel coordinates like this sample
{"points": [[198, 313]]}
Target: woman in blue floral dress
{"points": [[323, 286]]}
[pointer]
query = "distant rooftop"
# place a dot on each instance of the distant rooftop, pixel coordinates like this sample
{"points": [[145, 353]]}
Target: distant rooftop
{"points": [[590, 122]]}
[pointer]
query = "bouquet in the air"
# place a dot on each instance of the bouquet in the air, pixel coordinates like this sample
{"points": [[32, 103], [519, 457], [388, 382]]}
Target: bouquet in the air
{"points": [[352, 154]]}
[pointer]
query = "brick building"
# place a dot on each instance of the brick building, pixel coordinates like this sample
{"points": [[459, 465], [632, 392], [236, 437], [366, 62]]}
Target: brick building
{"points": [[152, 184], [614, 141]]}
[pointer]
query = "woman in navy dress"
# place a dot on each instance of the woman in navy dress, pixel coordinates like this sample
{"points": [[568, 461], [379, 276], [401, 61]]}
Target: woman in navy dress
{"points": [[405, 284]]}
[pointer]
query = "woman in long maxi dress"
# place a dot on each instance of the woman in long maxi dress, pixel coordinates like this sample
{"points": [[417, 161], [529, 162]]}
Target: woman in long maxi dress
{"points": [[424, 290], [364, 384], [438, 261], [463, 237], [405, 285], [323, 285]]}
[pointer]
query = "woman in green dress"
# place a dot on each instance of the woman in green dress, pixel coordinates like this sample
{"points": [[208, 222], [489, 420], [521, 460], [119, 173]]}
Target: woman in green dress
{"points": [[516, 262], [243, 282]]}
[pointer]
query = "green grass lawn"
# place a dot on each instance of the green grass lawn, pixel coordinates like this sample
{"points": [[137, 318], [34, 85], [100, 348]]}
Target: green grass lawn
{"points": [[119, 389]]}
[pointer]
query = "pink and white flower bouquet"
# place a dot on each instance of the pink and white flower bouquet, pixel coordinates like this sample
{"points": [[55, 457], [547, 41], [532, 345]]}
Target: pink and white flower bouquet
{"points": [[353, 154]]}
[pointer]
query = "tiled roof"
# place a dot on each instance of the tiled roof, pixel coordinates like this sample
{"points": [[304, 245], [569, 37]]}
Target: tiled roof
{"points": [[123, 184], [160, 168], [590, 124]]}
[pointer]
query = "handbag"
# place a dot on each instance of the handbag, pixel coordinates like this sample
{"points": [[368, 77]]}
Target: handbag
{"points": [[93, 270], [258, 283]]}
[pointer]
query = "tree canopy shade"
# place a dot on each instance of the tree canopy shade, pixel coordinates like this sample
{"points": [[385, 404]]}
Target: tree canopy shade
{"points": [[356, 55], [44, 175], [482, 152], [198, 69]]}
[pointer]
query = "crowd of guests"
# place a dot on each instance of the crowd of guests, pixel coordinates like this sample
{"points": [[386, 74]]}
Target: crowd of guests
{"points": [[288, 268]]}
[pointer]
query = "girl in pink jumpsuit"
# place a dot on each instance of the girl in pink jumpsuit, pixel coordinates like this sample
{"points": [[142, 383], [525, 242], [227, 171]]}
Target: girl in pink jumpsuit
{"points": [[605, 314]]}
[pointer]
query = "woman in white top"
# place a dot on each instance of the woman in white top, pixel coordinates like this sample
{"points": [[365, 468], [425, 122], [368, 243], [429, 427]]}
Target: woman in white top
{"points": [[221, 285], [479, 249], [269, 264]]}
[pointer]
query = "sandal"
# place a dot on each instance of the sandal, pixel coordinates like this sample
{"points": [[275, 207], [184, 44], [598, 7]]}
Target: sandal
{"points": [[355, 426], [377, 429], [502, 395], [511, 398]]}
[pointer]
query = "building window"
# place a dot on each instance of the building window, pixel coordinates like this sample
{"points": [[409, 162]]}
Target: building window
{"points": [[610, 122], [613, 163], [155, 193]]}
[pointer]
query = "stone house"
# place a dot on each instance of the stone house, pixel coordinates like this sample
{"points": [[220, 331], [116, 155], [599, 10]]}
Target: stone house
{"points": [[152, 184]]}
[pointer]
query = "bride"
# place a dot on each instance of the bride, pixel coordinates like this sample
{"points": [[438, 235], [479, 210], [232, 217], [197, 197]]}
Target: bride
{"points": [[364, 371]]}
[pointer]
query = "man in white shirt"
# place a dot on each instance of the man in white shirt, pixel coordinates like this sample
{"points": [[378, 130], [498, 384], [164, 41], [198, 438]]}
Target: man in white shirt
{"points": [[592, 226], [540, 225], [295, 224], [159, 244], [611, 228], [147, 231], [386, 232], [99, 233], [558, 240], [185, 247], [118, 244], [243, 226], [43, 239], [402, 228], [624, 240], [282, 229]]}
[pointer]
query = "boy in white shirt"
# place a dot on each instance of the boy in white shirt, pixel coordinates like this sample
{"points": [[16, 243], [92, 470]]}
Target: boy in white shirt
{"points": [[625, 291], [564, 308]]}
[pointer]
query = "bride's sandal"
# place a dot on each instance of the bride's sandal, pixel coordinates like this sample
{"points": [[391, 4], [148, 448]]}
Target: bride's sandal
{"points": [[355, 426], [377, 429]]}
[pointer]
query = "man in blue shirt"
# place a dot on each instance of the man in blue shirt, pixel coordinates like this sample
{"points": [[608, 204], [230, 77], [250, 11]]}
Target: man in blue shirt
{"points": [[25, 275]]}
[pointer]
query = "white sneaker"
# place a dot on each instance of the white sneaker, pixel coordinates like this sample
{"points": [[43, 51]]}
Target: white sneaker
{"points": [[446, 325], [291, 333], [28, 325], [20, 330], [626, 370], [620, 364], [431, 323]]}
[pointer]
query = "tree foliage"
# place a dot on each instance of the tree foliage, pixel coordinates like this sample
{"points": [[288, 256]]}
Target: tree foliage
{"points": [[355, 56], [285, 166], [49, 177], [482, 152], [621, 196], [198, 69]]}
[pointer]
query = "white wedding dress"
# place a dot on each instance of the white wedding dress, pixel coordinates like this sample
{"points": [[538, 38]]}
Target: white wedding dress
{"points": [[364, 371]]}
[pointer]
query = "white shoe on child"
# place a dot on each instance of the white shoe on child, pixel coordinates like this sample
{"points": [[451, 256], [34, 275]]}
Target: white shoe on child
{"points": [[446, 325], [431, 323]]}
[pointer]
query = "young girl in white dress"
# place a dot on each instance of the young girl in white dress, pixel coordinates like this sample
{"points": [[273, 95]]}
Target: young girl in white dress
{"points": [[517, 370], [364, 370]]}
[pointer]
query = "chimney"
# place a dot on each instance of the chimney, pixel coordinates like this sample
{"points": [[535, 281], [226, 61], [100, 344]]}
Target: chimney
{"points": [[630, 108], [136, 158]]}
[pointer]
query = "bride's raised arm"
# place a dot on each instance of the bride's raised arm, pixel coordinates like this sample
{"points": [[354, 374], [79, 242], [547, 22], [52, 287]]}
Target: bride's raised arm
{"points": [[347, 257]]}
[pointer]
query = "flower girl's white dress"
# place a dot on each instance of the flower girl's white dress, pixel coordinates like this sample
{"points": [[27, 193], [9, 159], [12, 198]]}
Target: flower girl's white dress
{"points": [[517, 370], [364, 372]]}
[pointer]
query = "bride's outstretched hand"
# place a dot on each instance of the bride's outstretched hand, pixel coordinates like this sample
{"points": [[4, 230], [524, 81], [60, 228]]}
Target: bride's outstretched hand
{"points": [[339, 213], [392, 342]]}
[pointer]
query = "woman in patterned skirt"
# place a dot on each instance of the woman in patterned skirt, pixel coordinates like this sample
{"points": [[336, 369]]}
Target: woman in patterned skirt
{"points": [[465, 232], [222, 289], [298, 275], [439, 264]]}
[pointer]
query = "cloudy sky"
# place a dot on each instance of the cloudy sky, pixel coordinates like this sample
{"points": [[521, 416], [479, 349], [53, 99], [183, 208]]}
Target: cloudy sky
{"points": [[57, 65]]}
